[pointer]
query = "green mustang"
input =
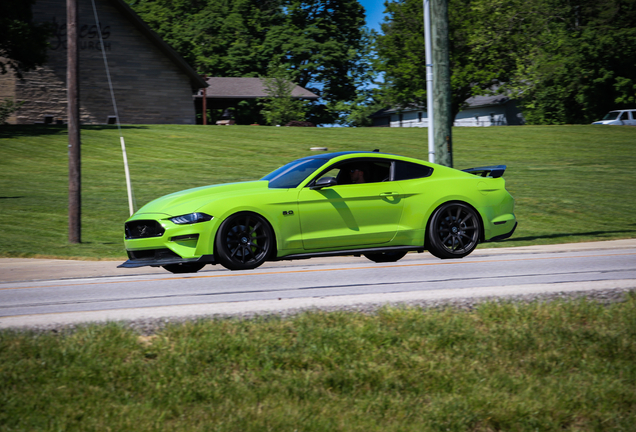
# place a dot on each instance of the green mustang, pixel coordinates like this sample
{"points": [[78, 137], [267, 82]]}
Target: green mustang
{"points": [[349, 203]]}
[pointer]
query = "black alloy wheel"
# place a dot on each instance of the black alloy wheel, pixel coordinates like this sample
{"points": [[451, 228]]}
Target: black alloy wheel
{"points": [[244, 241], [453, 231], [385, 257], [184, 267]]}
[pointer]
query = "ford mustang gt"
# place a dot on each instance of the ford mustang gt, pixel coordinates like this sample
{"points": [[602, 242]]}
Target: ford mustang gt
{"points": [[349, 203]]}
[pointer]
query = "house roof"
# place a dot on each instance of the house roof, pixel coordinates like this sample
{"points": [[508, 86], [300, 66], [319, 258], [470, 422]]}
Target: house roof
{"points": [[196, 81], [473, 102], [482, 101], [245, 88]]}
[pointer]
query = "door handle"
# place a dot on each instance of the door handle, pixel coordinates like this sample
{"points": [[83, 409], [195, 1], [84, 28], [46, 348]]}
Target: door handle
{"points": [[386, 194]]}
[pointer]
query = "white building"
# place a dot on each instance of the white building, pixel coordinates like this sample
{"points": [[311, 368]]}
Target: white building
{"points": [[481, 111]]}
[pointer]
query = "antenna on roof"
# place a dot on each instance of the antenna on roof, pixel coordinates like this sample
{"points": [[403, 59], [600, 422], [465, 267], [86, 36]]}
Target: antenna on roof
{"points": [[376, 151]]}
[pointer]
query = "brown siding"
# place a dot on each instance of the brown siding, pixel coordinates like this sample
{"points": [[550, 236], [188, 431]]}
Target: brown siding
{"points": [[149, 87]]}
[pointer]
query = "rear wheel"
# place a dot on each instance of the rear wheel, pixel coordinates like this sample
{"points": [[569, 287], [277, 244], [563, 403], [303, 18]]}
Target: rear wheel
{"points": [[244, 241], [184, 267], [453, 231], [384, 257]]}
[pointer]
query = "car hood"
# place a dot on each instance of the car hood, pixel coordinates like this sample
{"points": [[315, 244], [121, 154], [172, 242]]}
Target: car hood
{"points": [[190, 200]]}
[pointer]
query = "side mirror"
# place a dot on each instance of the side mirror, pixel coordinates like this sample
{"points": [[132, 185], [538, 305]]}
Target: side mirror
{"points": [[324, 182]]}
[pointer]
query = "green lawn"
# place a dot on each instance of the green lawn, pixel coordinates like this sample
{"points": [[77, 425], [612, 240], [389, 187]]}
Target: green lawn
{"points": [[571, 183], [564, 366]]}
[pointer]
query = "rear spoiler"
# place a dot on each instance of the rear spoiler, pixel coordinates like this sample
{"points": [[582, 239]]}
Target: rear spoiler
{"points": [[494, 171]]}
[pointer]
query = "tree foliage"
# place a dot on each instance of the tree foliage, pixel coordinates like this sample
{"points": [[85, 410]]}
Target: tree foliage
{"points": [[319, 41], [280, 107], [477, 64], [23, 43], [585, 65], [567, 61]]}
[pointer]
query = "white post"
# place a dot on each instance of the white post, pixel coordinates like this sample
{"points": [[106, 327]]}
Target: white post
{"points": [[429, 80], [128, 186]]}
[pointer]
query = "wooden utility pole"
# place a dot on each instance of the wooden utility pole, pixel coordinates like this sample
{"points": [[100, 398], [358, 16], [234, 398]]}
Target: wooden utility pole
{"points": [[74, 159], [443, 119], [205, 103]]}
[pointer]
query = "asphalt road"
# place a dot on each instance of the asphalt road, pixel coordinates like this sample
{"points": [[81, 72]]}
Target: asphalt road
{"points": [[45, 292]]}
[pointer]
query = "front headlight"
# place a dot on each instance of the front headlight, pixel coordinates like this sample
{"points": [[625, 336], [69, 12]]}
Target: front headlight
{"points": [[191, 218]]}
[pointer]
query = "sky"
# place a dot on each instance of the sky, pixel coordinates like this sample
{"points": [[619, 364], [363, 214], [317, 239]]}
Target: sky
{"points": [[375, 12]]}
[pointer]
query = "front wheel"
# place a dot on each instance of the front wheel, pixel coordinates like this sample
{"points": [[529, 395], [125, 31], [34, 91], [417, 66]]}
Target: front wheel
{"points": [[244, 241], [385, 257], [453, 231]]}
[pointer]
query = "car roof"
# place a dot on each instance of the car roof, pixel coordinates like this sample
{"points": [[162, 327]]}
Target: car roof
{"points": [[333, 155], [329, 156]]}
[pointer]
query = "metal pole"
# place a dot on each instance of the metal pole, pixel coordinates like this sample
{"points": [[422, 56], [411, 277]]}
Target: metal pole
{"points": [[131, 207], [441, 83], [74, 157], [429, 81]]}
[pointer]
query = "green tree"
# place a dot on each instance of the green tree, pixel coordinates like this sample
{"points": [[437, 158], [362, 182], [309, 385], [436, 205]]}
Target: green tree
{"points": [[566, 61], [23, 43], [280, 107], [585, 64], [322, 42], [8, 107], [484, 49], [355, 112], [319, 41]]}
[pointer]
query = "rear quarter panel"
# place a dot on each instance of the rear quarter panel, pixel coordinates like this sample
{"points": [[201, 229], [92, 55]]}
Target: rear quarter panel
{"points": [[486, 195]]}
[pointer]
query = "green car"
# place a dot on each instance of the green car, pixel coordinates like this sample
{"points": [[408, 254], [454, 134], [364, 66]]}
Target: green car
{"points": [[349, 203]]}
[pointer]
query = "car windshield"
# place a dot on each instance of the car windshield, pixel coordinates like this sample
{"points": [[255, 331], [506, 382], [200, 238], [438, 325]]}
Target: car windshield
{"points": [[612, 115], [293, 174]]}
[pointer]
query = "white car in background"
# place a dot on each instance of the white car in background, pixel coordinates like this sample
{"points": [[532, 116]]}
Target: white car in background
{"points": [[619, 117]]}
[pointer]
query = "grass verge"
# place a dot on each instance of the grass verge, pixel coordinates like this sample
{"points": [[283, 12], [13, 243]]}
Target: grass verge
{"points": [[571, 183], [540, 366]]}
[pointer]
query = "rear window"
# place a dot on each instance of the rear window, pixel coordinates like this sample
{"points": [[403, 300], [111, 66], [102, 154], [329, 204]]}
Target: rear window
{"points": [[408, 171]]}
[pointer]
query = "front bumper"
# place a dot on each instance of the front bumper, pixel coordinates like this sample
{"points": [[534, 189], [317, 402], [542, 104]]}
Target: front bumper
{"points": [[153, 240], [161, 257]]}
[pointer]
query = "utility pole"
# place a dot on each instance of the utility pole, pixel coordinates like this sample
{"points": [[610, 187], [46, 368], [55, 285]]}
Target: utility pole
{"points": [[443, 119], [430, 111], [205, 102], [74, 159]]}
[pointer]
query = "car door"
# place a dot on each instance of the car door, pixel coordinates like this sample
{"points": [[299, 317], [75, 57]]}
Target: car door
{"points": [[350, 215]]}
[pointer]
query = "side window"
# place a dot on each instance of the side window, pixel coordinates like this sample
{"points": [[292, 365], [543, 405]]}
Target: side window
{"points": [[332, 172], [359, 171], [624, 115], [408, 171]]}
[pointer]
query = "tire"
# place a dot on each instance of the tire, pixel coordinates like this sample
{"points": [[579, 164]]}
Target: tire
{"points": [[184, 267], [385, 257], [453, 231], [244, 241]]}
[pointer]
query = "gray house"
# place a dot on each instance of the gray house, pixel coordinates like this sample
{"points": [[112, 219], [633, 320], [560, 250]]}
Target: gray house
{"points": [[481, 111]]}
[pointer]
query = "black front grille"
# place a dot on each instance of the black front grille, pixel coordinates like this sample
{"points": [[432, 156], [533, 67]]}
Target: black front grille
{"points": [[143, 229], [152, 254]]}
